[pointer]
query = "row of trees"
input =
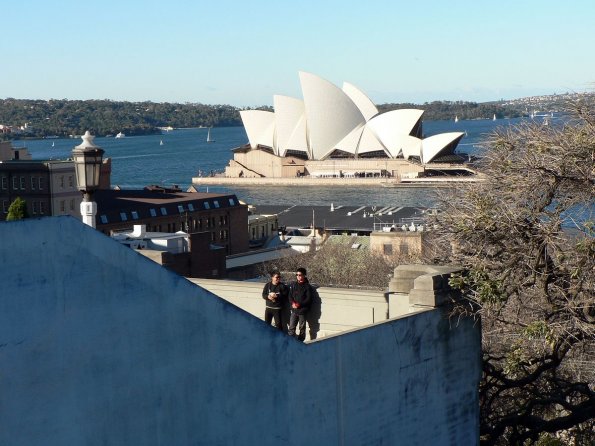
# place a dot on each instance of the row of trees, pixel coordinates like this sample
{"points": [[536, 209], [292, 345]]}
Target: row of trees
{"points": [[447, 110], [63, 117], [104, 117]]}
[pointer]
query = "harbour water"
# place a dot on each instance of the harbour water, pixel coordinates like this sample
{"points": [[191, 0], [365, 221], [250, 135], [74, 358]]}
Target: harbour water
{"points": [[176, 156]]}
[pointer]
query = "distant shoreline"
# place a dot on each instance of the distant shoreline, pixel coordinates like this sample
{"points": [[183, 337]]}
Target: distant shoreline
{"points": [[333, 182]]}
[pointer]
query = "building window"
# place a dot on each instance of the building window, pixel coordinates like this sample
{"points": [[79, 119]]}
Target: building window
{"points": [[232, 202], [190, 207], [72, 204], [41, 208], [216, 203], [153, 212], [22, 183], [163, 211], [123, 216], [213, 236], [404, 249], [134, 215], [4, 183], [103, 219], [32, 183], [206, 205], [34, 207], [70, 181], [5, 206], [15, 185], [40, 183], [62, 181], [62, 206], [387, 248], [180, 208]]}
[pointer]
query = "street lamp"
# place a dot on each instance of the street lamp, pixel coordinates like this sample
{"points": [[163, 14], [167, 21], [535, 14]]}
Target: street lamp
{"points": [[87, 163]]}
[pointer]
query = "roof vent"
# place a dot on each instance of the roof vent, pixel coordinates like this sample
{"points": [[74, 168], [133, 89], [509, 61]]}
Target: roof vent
{"points": [[138, 231]]}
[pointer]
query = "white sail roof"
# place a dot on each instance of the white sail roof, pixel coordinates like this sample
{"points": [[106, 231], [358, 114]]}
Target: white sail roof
{"points": [[408, 146], [260, 127], [290, 124], [438, 145], [330, 119], [395, 122], [359, 98], [330, 114], [351, 141], [369, 142]]}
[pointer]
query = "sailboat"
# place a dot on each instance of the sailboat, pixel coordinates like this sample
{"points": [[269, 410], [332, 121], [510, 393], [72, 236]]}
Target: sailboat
{"points": [[160, 142], [53, 144], [209, 136], [494, 118], [456, 118]]}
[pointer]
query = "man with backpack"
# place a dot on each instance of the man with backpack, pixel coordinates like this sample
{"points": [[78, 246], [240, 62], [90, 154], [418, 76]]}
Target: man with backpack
{"points": [[300, 300]]}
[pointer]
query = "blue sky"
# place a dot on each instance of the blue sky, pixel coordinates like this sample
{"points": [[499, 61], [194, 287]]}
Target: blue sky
{"points": [[243, 52]]}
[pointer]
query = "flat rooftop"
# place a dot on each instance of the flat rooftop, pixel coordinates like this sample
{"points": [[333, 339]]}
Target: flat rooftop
{"points": [[342, 218]]}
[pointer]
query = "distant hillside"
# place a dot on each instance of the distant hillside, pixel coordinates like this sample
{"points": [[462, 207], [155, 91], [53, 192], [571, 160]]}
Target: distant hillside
{"points": [[61, 117]]}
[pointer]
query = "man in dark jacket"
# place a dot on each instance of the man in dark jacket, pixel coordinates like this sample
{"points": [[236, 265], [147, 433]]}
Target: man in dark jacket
{"points": [[275, 294], [300, 300]]}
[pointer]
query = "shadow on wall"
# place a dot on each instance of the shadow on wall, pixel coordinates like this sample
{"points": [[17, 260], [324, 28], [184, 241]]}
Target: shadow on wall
{"points": [[313, 317]]}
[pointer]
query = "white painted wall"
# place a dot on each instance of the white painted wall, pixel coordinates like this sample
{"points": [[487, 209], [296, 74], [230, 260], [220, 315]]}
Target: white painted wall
{"points": [[99, 345]]}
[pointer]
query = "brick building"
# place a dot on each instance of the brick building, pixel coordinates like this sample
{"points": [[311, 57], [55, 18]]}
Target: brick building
{"points": [[171, 210]]}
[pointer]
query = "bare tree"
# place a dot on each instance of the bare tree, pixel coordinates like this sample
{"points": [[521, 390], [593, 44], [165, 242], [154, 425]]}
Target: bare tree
{"points": [[338, 264], [526, 236]]}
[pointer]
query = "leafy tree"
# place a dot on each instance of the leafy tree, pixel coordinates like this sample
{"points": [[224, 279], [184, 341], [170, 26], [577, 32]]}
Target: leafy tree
{"points": [[527, 237], [17, 210]]}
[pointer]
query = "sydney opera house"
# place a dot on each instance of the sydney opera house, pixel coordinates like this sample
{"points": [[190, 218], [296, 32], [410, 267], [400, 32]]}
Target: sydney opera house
{"points": [[334, 132]]}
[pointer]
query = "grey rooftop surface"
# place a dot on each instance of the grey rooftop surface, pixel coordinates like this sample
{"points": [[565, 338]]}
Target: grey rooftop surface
{"points": [[341, 218]]}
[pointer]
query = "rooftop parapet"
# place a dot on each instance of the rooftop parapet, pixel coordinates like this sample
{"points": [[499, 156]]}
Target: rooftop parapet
{"points": [[414, 286]]}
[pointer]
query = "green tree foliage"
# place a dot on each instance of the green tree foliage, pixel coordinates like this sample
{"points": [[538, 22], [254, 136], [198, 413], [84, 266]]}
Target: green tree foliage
{"points": [[17, 210], [103, 117], [62, 117], [527, 236], [447, 110]]}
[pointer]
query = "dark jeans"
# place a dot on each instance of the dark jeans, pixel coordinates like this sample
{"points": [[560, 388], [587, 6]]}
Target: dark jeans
{"points": [[273, 314], [297, 320]]}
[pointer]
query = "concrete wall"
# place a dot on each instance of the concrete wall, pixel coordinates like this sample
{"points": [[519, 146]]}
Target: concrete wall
{"points": [[337, 311], [99, 345]]}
